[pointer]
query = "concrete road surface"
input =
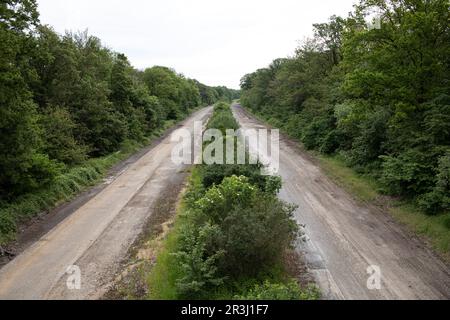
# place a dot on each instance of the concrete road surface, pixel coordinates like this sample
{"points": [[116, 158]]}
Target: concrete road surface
{"points": [[344, 238], [98, 235]]}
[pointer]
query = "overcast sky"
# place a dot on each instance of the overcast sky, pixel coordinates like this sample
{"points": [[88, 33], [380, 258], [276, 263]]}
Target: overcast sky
{"points": [[215, 42]]}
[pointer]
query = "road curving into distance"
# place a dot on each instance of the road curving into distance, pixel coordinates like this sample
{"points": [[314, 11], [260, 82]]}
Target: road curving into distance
{"points": [[344, 238]]}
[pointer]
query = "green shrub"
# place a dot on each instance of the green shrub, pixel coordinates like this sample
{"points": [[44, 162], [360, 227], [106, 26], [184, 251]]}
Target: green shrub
{"points": [[434, 202], [280, 291], [437, 119], [222, 118], [368, 145], [255, 227], [330, 143], [235, 231], [447, 221], [410, 173], [438, 200], [273, 185], [221, 106], [294, 125], [60, 142], [316, 132], [214, 175], [198, 266], [234, 227], [255, 236], [219, 200]]}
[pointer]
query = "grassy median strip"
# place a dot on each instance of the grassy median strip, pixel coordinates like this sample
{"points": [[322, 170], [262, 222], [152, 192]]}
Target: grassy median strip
{"points": [[230, 237]]}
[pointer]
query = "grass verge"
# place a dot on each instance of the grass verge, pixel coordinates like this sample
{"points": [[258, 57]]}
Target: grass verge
{"points": [[435, 229], [161, 280], [163, 276], [65, 187]]}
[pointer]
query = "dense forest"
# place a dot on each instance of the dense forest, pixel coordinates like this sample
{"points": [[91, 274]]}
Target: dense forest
{"points": [[65, 99], [375, 94]]}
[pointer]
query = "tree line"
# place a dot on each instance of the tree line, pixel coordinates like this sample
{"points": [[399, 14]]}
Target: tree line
{"points": [[377, 95], [67, 98]]}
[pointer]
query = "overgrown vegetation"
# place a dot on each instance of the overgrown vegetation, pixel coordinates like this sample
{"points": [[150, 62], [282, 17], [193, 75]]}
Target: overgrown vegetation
{"points": [[436, 228], [67, 104], [230, 236], [377, 97], [64, 187]]}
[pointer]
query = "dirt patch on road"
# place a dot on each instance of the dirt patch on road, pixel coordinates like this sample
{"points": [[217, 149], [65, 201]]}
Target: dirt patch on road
{"points": [[296, 268], [130, 283]]}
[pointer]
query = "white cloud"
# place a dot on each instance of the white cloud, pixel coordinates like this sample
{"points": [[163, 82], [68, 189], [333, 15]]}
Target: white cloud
{"points": [[216, 42]]}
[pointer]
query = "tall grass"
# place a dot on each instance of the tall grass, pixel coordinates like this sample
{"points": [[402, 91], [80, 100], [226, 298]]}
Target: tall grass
{"points": [[64, 187], [222, 119], [166, 271], [436, 229]]}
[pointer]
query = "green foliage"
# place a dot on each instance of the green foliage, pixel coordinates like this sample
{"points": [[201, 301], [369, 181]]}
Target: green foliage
{"points": [[176, 94], [121, 84], [215, 174], [63, 187], [209, 95], [65, 99], [279, 291], [232, 230], [217, 202], [438, 199], [18, 15], [410, 173], [222, 118], [197, 265], [437, 119], [255, 235], [315, 133], [368, 145], [379, 96], [60, 143], [23, 165]]}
